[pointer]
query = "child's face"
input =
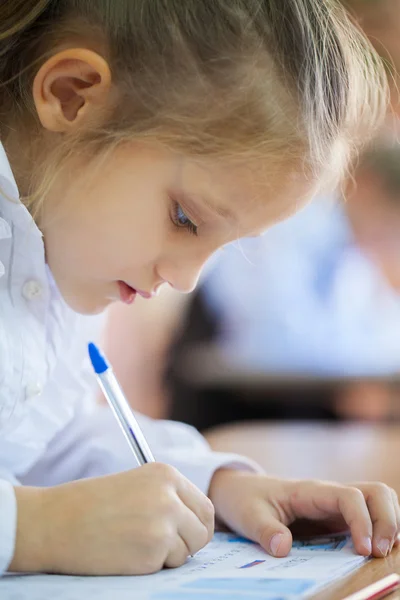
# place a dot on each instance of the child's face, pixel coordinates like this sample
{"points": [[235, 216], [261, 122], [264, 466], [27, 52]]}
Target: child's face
{"points": [[111, 230], [116, 224]]}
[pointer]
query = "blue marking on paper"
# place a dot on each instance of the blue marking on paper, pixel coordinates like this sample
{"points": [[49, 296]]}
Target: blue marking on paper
{"points": [[180, 595], [255, 563], [265, 585]]}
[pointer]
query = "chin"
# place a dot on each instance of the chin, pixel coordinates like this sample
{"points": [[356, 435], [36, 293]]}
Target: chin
{"points": [[85, 306]]}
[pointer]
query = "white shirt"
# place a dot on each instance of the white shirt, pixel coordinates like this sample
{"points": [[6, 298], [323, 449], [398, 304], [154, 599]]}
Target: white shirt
{"points": [[51, 430], [305, 299]]}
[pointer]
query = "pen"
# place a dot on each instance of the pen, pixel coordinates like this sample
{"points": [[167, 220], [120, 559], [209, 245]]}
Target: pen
{"points": [[120, 406], [377, 590]]}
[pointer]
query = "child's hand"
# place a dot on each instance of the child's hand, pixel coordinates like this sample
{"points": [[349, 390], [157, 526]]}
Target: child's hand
{"points": [[261, 508], [131, 523]]}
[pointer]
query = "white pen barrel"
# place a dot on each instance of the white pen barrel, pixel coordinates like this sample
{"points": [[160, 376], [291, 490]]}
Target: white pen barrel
{"points": [[125, 417]]}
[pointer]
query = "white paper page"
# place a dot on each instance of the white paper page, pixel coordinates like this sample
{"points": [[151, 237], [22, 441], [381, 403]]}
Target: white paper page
{"points": [[228, 568]]}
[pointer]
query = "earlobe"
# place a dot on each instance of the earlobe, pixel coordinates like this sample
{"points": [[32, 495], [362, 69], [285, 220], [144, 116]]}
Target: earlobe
{"points": [[69, 89]]}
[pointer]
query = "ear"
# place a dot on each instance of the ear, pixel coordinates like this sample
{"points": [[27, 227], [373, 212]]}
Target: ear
{"points": [[69, 87]]}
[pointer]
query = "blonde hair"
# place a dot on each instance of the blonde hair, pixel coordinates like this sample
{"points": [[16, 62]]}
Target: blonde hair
{"points": [[271, 79]]}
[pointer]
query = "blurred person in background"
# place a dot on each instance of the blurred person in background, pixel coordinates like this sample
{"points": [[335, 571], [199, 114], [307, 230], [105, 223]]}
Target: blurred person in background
{"points": [[318, 296], [138, 340]]}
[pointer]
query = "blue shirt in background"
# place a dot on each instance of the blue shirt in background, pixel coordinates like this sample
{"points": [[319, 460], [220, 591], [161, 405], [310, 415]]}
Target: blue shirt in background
{"points": [[305, 299]]}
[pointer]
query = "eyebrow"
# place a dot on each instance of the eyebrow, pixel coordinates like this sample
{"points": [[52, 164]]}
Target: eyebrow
{"points": [[225, 213]]}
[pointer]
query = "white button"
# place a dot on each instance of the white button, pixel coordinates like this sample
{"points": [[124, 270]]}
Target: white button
{"points": [[32, 289], [5, 230], [33, 389], [2, 269]]}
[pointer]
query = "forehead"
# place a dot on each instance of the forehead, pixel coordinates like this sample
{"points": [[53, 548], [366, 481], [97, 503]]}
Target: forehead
{"points": [[250, 195]]}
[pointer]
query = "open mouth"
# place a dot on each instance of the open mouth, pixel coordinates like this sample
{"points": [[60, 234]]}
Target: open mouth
{"points": [[126, 292]]}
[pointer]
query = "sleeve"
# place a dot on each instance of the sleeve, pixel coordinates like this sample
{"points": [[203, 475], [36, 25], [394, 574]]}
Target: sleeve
{"points": [[183, 447], [8, 523], [93, 445]]}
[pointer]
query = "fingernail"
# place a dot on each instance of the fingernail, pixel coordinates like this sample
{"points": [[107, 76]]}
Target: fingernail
{"points": [[367, 544], [275, 543], [383, 547]]}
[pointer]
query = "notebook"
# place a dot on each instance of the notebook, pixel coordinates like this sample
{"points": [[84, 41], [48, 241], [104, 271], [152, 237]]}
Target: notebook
{"points": [[229, 568]]}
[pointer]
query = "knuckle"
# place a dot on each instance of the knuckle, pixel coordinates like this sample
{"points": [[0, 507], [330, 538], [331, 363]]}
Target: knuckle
{"points": [[154, 548], [151, 563], [200, 540], [176, 560], [381, 488], [169, 504], [386, 530], [354, 494], [389, 526], [159, 535], [165, 472], [308, 483], [206, 537], [208, 512]]}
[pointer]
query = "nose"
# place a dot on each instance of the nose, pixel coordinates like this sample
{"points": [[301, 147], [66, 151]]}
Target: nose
{"points": [[183, 276]]}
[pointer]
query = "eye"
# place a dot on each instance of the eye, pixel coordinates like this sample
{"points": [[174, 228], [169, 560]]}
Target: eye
{"points": [[181, 220]]}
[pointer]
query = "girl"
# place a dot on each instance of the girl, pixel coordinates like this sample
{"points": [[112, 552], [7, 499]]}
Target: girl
{"points": [[143, 135]]}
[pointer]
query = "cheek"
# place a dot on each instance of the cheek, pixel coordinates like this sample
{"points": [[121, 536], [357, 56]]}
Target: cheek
{"points": [[107, 242], [140, 241]]}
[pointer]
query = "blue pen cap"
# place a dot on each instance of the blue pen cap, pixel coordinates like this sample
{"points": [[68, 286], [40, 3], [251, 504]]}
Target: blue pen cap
{"points": [[98, 361]]}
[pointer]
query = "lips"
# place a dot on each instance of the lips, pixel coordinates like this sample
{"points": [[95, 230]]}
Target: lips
{"points": [[144, 294], [127, 293]]}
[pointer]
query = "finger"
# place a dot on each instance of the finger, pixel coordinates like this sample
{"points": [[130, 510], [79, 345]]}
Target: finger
{"points": [[396, 508], [178, 554], [380, 504], [198, 503], [262, 527], [324, 501], [192, 531], [397, 512]]}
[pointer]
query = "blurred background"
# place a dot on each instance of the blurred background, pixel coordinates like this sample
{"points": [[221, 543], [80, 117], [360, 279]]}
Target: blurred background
{"points": [[300, 324]]}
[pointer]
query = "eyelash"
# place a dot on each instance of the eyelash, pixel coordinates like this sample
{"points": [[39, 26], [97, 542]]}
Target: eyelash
{"points": [[178, 213]]}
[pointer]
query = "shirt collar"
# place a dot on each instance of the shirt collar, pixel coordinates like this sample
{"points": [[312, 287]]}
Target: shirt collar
{"points": [[6, 174], [11, 207], [329, 226]]}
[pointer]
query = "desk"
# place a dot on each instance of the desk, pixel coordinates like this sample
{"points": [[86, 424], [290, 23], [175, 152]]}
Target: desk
{"points": [[339, 452]]}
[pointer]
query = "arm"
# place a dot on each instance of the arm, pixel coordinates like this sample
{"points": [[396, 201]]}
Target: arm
{"points": [[93, 445]]}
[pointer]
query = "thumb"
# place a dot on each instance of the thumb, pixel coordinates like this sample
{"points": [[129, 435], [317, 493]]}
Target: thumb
{"points": [[269, 532]]}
